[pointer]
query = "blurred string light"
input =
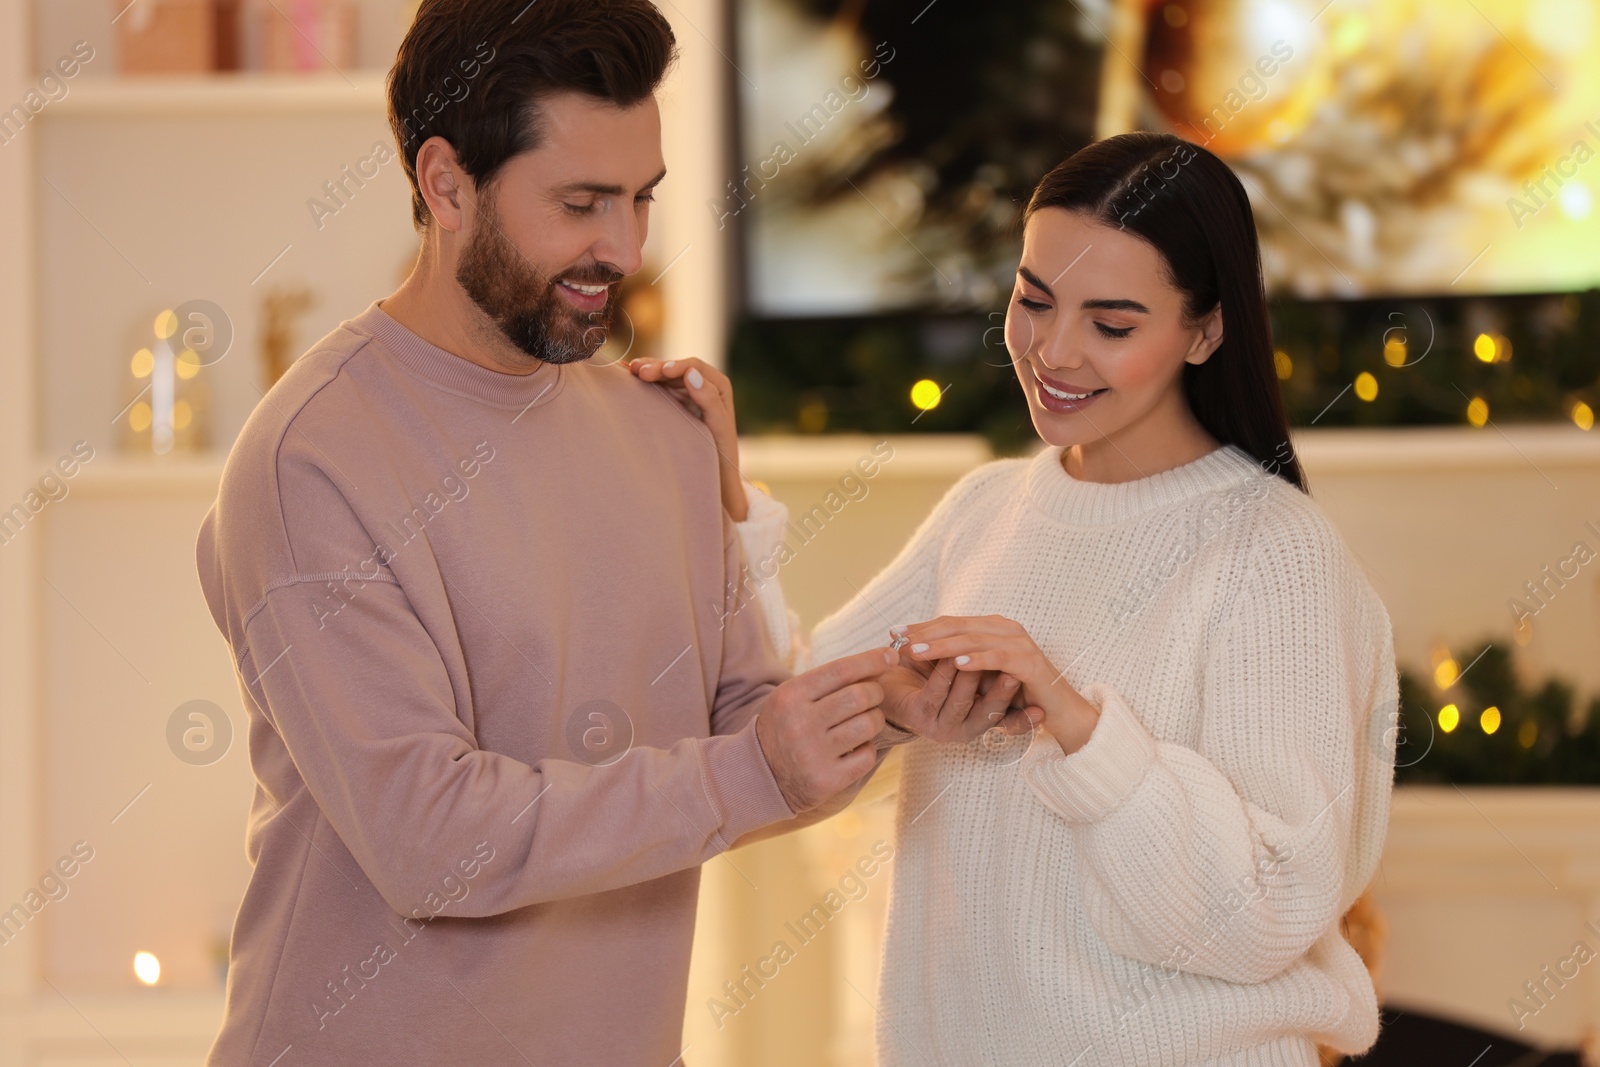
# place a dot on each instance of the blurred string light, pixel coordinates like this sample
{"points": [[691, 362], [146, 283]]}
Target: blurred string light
{"points": [[1449, 718], [1575, 201], [1445, 672], [1582, 416], [1492, 347], [1284, 365], [1394, 352], [1527, 734], [1490, 719], [925, 395], [1366, 386], [146, 967], [1478, 411]]}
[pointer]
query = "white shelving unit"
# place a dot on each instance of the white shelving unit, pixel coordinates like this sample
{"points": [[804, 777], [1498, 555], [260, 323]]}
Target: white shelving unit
{"points": [[229, 95], [102, 629]]}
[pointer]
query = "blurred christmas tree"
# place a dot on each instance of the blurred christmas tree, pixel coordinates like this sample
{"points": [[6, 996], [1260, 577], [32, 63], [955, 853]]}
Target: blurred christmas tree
{"points": [[1482, 726], [1464, 361]]}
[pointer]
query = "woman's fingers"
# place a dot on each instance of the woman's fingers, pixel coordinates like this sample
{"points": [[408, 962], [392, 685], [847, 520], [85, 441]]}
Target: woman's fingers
{"points": [[971, 652], [950, 625], [707, 394]]}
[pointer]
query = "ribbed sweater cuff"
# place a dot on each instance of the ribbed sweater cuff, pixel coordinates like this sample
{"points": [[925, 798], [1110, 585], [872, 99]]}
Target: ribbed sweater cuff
{"points": [[740, 783], [763, 526], [1092, 782]]}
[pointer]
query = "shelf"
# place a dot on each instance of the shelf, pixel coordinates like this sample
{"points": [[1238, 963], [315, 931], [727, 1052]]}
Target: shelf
{"points": [[111, 474], [1446, 448], [222, 94], [949, 456]]}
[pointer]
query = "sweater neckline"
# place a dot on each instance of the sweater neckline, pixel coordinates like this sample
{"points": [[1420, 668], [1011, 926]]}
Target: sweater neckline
{"points": [[1080, 503], [455, 373]]}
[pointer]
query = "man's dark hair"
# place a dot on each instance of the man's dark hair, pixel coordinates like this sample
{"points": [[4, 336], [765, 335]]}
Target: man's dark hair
{"points": [[474, 72]]}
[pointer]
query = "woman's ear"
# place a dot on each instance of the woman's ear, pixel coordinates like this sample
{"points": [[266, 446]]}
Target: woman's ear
{"points": [[1208, 339]]}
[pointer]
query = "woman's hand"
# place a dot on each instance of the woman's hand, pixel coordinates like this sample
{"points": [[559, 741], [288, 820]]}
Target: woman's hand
{"points": [[941, 703], [707, 394], [973, 645]]}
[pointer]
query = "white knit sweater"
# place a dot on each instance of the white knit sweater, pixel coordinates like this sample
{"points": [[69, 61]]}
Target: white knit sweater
{"points": [[1170, 893]]}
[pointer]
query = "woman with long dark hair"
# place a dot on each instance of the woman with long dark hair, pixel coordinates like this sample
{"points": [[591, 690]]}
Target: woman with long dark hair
{"points": [[1155, 875]]}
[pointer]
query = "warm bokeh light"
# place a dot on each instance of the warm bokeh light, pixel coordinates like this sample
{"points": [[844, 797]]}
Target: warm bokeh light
{"points": [[1394, 352], [1366, 386], [1478, 411], [166, 324], [1490, 719], [813, 416], [1445, 673], [182, 413], [1527, 734], [1582, 416], [1449, 717], [925, 394], [139, 417], [1285, 365], [187, 365], [143, 363], [146, 967], [1484, 348]]}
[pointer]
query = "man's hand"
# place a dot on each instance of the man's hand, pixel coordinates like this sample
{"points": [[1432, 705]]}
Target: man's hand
{"points": [[817, 729], [936, 701]]}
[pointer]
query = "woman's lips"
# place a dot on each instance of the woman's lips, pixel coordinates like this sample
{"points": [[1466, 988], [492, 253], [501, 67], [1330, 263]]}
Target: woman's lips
{"points": [[1049, 393]]}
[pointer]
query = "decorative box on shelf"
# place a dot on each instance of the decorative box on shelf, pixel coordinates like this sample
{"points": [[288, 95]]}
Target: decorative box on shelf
{"points": [[178, 36], [306, 35]]}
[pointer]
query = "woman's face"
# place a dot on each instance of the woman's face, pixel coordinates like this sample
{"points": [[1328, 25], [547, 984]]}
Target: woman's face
{"points": [[1093, 313]]}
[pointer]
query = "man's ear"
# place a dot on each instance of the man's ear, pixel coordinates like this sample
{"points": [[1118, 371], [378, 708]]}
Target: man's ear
{"points": [[439, 178], [1209, 338]]}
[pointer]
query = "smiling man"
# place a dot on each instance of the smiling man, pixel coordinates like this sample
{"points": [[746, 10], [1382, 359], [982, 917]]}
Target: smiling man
{"points": [[482, 601]]}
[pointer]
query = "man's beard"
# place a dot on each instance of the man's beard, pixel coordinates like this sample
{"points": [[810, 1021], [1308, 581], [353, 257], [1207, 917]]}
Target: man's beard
{"points": [[524, 304]]}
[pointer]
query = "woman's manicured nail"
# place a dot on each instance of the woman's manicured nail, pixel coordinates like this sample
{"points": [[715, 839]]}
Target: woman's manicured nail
{"points": [[962, 661], [898, 629], [668, 364], [1035, 717], [919, 648], [1010, 683], [696, 379]]}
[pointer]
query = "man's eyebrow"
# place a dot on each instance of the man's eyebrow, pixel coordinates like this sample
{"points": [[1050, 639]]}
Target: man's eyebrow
{"points": [[607, 190], [1104, 304]]}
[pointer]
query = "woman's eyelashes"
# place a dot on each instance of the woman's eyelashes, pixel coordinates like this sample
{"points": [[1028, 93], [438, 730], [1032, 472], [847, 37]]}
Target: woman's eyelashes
{"points": [[1110, 332]]}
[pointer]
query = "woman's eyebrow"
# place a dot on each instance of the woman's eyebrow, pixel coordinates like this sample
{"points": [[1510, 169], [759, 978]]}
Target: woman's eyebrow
{"points": [[1033, 280], [1115, 305], [1104, 304]]}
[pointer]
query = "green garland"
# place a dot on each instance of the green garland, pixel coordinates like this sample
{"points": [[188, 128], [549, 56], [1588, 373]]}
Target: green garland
{"points": [[1538, 740]]}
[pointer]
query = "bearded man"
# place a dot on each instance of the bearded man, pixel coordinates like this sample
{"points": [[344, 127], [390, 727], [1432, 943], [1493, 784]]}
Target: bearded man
{"points": [[481, 598]]}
